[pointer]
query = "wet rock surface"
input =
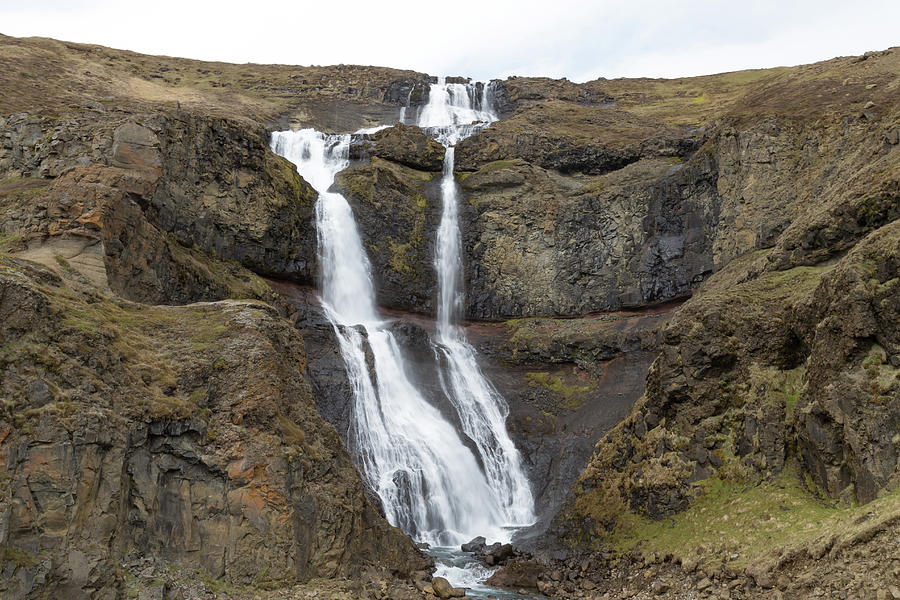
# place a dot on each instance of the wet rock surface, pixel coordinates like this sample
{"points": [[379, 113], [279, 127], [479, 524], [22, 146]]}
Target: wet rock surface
{"points": [[397, 210], [567, 382]]}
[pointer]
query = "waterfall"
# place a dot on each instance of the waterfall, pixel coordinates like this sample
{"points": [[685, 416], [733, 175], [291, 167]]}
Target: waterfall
{"points": [[454, 112], [430, 483]]}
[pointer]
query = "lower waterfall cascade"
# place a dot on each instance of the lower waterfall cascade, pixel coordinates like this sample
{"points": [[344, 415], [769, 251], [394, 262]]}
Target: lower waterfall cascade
{"points": [[430, 482]]}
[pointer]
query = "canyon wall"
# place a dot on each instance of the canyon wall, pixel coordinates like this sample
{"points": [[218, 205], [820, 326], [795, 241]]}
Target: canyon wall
{"points": [[671, 281]]}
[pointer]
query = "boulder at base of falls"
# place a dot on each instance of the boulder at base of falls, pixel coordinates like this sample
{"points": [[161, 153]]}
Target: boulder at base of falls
{"points": [[443, 589], [497, 556], [517, 575], [475, 545], [493, 554]]}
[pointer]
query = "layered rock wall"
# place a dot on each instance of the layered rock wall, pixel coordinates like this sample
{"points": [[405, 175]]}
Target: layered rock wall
{"points": [[186, 433]]}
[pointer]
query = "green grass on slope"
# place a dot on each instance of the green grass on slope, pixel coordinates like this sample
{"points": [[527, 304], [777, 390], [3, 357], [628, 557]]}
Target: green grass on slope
{"points": [[744, 524]]}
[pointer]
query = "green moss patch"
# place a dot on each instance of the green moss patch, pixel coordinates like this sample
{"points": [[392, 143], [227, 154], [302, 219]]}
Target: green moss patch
{"points": [[232, 278], [499, 165], [739, 523], [567, 387], [21, 188], [20, 558], [284, 177], [399, 256], [880, 379], [10, 242]]}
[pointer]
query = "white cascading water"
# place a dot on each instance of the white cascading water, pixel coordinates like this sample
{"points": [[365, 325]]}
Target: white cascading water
{"points": [[453, 112], [430, 483], [428, 480]]}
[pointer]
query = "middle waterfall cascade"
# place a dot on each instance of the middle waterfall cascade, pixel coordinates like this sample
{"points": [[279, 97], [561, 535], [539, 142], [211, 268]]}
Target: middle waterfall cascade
{"points": [[430, 483]]}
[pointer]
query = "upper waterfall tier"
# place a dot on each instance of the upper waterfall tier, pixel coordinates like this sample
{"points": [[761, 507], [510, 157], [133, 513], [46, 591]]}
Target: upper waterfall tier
{"points": [[456, 110]]}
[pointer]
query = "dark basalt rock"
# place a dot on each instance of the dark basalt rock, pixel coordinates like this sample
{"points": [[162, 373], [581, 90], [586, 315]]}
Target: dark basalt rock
{"points": [[535, 247], [409, 146], [498, 555], [227, 193], [397, 210], [516, 576], [476, 545], [220, 458]]}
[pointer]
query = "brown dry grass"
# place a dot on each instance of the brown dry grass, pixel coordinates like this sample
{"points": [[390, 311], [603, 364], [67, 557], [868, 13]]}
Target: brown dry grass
{"points": [[836, 86], [49, 75], [39, 74]]}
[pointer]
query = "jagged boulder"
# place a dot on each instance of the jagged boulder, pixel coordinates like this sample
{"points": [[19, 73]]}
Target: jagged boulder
{"points": [[499, 555], [476, 545], [517, 576]]}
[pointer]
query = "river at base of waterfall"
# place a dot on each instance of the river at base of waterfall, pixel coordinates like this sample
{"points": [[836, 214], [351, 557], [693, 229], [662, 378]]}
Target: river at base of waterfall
{"points": [[463, 570]]}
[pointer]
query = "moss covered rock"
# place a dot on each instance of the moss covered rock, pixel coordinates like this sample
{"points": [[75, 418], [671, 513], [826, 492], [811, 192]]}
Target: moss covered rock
{"points": [[398, 211]]}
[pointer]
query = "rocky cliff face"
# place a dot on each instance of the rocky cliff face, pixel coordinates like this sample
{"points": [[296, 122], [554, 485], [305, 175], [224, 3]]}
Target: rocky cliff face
{"points": [[175, 183], [782, 358], [543, 242], [130, 427], [758, 326], [636, 236]]}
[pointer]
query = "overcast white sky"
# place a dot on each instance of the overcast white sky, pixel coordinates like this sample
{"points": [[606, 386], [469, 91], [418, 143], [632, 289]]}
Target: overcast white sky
{"points": [[477, 38]]}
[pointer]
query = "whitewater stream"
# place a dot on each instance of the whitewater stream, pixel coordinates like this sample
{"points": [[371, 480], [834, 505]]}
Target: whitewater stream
{"points": [[430, 483], [453, 112]]}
